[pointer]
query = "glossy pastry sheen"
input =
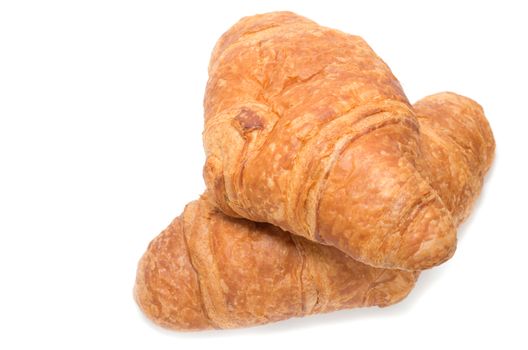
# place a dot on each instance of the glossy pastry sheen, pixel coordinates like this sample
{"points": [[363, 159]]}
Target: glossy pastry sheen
{"points": [[306, 128], [208, 270]]}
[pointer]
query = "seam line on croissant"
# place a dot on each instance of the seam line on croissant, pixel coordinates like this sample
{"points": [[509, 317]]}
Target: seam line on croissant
{"points": [[200, 292], [300, 251]]}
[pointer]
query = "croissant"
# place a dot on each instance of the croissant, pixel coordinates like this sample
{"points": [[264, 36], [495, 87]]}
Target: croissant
{"points": [[209, 270], [306, 128]]}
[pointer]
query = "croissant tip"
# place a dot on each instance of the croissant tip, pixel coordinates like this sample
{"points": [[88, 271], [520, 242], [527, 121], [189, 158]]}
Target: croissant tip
{"points": [[165, 271]]}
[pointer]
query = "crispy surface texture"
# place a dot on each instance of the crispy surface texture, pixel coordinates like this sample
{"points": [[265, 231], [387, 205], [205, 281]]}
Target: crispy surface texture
{"points": [[306, 128], [208, 270]]}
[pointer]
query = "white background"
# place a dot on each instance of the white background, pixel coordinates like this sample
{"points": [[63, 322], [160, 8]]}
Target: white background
{"points": [[100, 148]]}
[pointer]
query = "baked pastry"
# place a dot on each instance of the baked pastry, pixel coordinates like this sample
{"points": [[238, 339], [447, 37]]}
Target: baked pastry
{"points": [[208, 270], [306, 128]]}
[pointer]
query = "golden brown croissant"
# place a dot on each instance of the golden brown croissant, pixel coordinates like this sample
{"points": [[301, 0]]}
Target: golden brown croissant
{"points": [[208, 270], [306, 128]]}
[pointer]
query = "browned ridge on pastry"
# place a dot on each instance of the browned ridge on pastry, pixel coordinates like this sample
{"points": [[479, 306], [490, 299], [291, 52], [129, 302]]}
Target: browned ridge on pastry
{"points": [[208, 270], [306, 128]]}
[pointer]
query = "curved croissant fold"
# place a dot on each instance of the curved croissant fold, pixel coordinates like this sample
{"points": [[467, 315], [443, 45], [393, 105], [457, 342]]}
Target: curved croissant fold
{"points": [[208, 270], [306, 128]]}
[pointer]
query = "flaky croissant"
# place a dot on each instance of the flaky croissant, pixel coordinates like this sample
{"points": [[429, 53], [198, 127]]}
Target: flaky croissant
{"points": [[208, 270], [306, 128]]}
